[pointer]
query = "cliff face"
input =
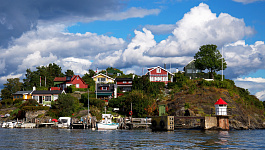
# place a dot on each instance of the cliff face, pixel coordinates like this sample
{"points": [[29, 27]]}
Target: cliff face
{"points": [[201, 103]]}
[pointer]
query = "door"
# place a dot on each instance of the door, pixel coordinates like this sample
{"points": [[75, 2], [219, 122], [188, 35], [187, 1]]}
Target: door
{"points": [[40, 99]]}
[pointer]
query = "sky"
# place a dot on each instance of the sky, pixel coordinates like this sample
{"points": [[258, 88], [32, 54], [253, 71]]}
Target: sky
{"points": [[132, 35]]}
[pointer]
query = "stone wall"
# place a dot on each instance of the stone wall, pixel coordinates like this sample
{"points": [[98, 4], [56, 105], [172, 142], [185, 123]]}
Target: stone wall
{"points": [[34, 114], [210, 122]]}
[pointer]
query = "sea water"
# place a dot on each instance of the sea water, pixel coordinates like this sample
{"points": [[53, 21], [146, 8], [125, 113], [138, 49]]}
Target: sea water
{"points": [[46, 138]]}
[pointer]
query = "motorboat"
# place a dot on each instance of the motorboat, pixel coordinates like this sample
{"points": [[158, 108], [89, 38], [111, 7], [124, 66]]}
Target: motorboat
{"points": [[64, 122], [106, 123]]}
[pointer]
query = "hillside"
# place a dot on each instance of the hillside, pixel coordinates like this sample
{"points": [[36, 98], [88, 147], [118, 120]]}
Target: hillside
{"points": [[198, 99]]}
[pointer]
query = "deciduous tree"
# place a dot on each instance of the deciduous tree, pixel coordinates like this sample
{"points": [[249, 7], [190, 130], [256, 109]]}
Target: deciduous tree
{"points": [[209, 57]]}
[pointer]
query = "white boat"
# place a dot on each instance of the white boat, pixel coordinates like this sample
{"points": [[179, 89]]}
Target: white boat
{"points": [[64, 122], [4, 125], [106, 123]]}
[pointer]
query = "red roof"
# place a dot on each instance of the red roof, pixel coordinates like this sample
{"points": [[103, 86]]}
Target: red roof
{"points": [[59, 79], [220, 102]]}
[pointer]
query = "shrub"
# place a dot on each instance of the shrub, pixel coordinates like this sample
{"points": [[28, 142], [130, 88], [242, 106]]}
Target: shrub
{"points": [[7, 102]]}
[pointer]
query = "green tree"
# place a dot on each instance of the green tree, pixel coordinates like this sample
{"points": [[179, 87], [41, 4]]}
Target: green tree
{"points": [[209, 57], [69, 73], [87, 78], [43, 76], [12, 86], [66, 105]]}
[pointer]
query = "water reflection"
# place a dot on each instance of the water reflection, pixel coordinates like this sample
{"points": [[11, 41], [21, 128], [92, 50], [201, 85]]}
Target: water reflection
{"points": [[129, 139]]}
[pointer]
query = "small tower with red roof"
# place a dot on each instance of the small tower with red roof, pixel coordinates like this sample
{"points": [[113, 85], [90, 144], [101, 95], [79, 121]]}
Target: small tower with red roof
{"points": [[220, 107]]}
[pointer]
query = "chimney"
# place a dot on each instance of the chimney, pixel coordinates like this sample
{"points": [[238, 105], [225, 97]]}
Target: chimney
{"points": [[34, 88], [165, 66], [177, 70]]}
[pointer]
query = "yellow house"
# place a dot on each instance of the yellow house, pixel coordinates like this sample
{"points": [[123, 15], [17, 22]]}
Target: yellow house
{"points": [[102, 78], [22, 95]]}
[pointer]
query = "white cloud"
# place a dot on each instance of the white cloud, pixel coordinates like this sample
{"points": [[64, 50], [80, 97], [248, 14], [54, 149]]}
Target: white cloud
{"points": [[198, 27], [34, 60], [247, 1], [255, 86], [3, 79], [243, 59], [161, 29], [78, 65], [257, 80], [261, 95]]}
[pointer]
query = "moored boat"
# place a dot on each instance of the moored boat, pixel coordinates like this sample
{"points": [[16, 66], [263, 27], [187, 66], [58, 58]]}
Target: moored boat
{"points": [[106, 123]]}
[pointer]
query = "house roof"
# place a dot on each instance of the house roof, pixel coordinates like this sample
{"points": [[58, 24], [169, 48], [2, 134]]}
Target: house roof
{"points": [[123, 79], [153, 68], [220, 102], [22, 92], [48, 92], [59, 79], [68, 79], [100, 74]]}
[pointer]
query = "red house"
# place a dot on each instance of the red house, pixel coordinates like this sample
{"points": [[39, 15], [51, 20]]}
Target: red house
{"points": [[159, 74], [64, 82]]}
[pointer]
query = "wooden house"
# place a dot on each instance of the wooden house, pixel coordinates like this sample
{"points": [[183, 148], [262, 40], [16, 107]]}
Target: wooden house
{"points": [[159, 74], [64, 82], [46, 97], [102, 78]]}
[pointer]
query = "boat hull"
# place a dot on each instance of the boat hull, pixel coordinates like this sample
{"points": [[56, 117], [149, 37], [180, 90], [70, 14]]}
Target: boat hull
{"points": [[113, 126]]}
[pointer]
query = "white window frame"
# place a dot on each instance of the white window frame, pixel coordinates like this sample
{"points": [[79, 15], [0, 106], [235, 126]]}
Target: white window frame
{"points": [[158, 70]]}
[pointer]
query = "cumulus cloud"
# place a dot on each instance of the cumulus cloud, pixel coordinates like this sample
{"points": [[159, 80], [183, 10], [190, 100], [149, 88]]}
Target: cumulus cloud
{"points": [[78, 65], [198, 27], [243, 59]]}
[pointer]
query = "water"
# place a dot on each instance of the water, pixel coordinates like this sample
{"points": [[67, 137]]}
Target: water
{"points": [[43, 138]]}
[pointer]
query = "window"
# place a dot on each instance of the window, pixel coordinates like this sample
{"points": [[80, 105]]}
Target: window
{"points": [[118, 74], [104, 88], [158, 70], [101, 79], [35, 97], [77, 85], [77, 78], [189, 70], [124, 82], [20, 96], [47, 98], [130, 82]]}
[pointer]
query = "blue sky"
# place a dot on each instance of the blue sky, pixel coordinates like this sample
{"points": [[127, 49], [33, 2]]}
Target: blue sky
{"points": [[132, 35]]}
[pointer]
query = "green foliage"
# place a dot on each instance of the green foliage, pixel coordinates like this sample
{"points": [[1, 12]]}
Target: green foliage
{"points": [[92, 101], [66, 105], [18, 102], [72, 89], [87, 78], [140, 103], [35, 108], [150, 88], [209, 57], [30, 102], [7, 102], [12, 86], [42, 73], [69, 73]]}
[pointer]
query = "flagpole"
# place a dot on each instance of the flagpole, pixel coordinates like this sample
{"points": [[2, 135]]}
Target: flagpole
{"points": [[222, 64]]}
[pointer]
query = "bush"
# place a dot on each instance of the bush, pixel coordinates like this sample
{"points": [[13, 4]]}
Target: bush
{"points": [[7, 102], [35, 108], [18, 101], [72, 89]]}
